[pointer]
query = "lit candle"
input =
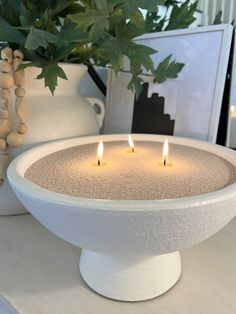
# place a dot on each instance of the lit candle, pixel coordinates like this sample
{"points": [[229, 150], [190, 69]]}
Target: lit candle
{"points": [[165, 152], [131, 143], [232, 137], [100, 153], [233, 111]]}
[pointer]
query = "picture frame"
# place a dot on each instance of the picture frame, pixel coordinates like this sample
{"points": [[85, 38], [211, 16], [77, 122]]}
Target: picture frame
{"points": [[231, 135], [192, 101]]}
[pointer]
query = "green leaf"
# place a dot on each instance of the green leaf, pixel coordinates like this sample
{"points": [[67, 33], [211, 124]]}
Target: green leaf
{"points": [[59, 53], [135, 85], [182, 16], [10, 11], [101, 5], [72, 33], [139, 54], [171, 2], [116, 18], [218, 18], [131, 9], [39, 38], [149, 5], [30, 64], [92, 16], [98, 21], [81, 54], [137, 19], [112, 49], [167, 69], [10, 34], [66, 7], [45, 22], [97, 30], [100, 30], [160, 25], [88, 4], [27, 17], [25, 65], [152, 21], [128, 31], [33, 55], [50, 73]]}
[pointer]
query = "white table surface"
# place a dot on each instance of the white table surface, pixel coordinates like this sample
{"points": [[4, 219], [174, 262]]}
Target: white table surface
{"points": [[39, 275]]}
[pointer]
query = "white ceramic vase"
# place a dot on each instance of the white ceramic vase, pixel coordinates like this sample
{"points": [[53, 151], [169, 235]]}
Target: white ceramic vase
{"points": [[64, 115]]}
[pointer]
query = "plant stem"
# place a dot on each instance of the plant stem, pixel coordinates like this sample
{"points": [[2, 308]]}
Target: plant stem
{"points": [[96, 78]]}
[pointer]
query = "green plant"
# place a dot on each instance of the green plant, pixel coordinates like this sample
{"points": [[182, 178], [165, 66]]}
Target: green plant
{"points": [[100, 32], [219, 18]]}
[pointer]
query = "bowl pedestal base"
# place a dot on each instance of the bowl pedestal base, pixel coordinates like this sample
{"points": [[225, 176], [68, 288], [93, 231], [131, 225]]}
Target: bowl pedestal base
{"points": [[130, 278]]}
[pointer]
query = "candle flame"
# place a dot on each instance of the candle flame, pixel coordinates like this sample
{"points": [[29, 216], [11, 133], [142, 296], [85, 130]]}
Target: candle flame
{"points": [[100, 153], [165, 152], [131, 143], [233, 111]]}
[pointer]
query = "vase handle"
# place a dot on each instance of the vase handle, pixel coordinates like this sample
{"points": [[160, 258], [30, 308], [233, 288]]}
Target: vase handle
{"points": [[100, 111]]}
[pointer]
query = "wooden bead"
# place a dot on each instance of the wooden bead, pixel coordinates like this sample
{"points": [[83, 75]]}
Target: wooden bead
{"points": [[3, 144], [4, 103], [6, 81], [15, 139], [5, 66], [21, 109], [22, 128], [5, 93], [20, 91], [4, 114], [4, 128], [6, 54], [19, 77], [16, 63], [18, 54]]}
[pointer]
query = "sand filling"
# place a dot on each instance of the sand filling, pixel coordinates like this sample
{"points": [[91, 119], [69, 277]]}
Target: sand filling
{"points": [[124, 175]]}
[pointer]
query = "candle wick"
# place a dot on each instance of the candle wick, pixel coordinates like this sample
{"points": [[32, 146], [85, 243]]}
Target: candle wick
{"points": [[132, 149], [165, 161], [99, 162]]}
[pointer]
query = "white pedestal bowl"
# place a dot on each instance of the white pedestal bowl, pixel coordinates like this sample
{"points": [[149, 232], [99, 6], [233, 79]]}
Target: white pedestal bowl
{"points": [[130, 248]]}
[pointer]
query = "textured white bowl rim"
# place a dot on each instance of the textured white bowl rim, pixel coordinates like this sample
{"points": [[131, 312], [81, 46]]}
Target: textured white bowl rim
{"points": [[19, 166]]}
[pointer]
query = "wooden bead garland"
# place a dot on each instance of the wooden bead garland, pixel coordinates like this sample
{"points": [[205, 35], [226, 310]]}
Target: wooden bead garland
{"points": [[22, 128], [3, 145], [6, 82], [15, 139], [10, 62], [20, 92], [5, 66], [4, 114]]}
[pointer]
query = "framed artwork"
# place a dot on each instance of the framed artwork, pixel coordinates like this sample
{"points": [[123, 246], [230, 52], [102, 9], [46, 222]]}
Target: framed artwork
{"points": [[232, 114], [188, 106]]}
